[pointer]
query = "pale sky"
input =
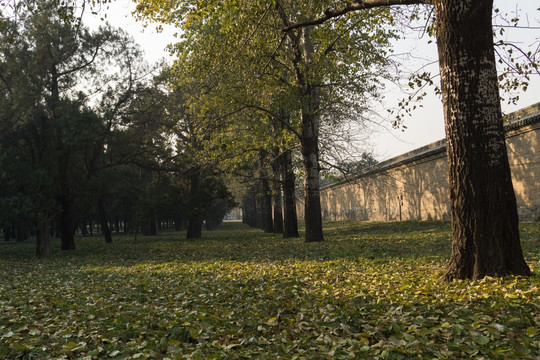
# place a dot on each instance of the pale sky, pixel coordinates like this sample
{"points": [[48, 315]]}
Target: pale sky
{"points": [[424, 127]]}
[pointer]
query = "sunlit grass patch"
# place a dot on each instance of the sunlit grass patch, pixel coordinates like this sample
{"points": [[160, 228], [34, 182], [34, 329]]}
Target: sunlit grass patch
{"points": [[371, 290]]}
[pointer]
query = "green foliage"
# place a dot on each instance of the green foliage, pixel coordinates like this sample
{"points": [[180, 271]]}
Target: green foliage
{"points": [[371, 291], [62, 89], [246, 75]]}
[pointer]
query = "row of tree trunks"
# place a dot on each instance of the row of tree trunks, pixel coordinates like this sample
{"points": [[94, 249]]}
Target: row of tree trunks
{"points": [[149, 225], [273, 208], [18, 232]]}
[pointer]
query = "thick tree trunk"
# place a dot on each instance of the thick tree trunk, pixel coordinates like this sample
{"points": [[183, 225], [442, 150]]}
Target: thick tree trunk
{"points": [[309, 120], [153, 224], [67, 228], [266, 195], [290, 220], [194, 227], [259, 207], [194, 223], [312, 214], [249, 208], [276, 196], [484, 212], [105, 230], [278, 212]]}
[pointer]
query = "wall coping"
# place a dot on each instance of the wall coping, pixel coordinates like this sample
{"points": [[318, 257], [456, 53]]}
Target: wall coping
{"points": [[517, 119]]}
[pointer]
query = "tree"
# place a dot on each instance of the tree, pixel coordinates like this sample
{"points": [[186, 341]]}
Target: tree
{"points": [[485, 235], [484, 210], [49, 71], [303, 73], [193, 128]]}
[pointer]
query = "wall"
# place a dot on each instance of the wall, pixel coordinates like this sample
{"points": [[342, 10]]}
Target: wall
{"points": [[414, 186]]}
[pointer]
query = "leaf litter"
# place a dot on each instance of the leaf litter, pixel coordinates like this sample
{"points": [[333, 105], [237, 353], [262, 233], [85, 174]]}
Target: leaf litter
{"points": [[372, 290]]}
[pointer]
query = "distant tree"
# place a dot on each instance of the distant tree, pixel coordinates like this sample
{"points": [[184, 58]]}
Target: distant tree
{"points": [[347, 169]]}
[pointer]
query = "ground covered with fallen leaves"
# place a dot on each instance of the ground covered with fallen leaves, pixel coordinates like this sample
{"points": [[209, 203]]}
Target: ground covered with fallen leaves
{"points": [[370, 291]]}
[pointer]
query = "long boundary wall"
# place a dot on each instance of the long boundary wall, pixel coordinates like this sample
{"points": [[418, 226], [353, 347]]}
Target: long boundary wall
{"points": [[414, 186]]}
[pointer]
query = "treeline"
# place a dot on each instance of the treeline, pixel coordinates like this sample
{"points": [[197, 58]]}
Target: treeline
{"points": [[256, 90], [89, 134], [295, 73]]}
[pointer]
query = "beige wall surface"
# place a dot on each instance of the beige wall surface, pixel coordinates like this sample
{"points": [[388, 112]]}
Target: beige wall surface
{"points": [[414, 186]]}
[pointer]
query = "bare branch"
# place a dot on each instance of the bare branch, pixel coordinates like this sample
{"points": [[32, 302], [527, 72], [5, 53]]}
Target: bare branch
{"points": [[353, 6]]}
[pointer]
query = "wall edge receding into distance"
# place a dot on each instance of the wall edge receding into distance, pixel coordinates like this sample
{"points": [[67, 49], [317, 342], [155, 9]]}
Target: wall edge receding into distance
{"points": [[414, 185]]}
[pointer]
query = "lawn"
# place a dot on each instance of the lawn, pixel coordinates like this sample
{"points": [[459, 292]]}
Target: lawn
{"points": [[370, 291]]}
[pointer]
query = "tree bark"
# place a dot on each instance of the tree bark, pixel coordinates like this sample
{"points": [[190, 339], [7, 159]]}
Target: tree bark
{"points": [[67, 228], [290, 220], [312, 214], [484, 211], [105, 230], [249, 208], [309, 120], [302, 49], [276, 196], [485, 235], [266, 195], [194, 223], [259, 206], [43, 238]]}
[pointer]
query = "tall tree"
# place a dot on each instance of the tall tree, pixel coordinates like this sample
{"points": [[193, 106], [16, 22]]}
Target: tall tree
{"points": [[484, 210], [49, 71], [304, 72], [485, 236]]}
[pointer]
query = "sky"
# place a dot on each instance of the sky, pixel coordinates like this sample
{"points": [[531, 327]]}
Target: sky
{"points": [[426, 124]]}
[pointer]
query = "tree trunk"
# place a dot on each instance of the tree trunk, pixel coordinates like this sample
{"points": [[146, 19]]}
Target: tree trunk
{"points": [[276, 195], [194, 223], [105, 230], [67, 229], [309, 120], [149, 226], [84, 228], [43, 238], [178, 223], [290, 220], [485, 236], [312, 214], [194, 227], [248, 208], [268, 225]]}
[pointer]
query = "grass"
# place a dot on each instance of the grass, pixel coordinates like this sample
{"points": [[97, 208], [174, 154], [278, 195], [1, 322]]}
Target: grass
{"points": [[370, 291]]}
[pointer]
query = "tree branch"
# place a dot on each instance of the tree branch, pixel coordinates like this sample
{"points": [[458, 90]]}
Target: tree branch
{"points": [[353, 6]]}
